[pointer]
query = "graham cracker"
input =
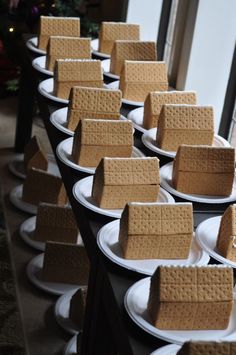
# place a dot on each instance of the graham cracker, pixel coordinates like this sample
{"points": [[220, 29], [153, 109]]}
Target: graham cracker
{"points": [[95, 139], [156, 231], [121, 180], [65, 263], [35, 155], [61, 47], [78, 306], [226, 239], [131, 50], [138, 78], [55, 223], [191, 297], [92, 103], [76, 72], [111, 31], [40, 186], [185, 124], [204, 170], [155, 100], [208, 347], [57, 26]]}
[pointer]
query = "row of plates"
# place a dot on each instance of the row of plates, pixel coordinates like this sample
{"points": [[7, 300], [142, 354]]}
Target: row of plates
{"points": [[203, 245], [137, 296], [135, 302], [82, 190], [206, 233], [46, 87], [39, 64], [59, 119], [32, 45]]}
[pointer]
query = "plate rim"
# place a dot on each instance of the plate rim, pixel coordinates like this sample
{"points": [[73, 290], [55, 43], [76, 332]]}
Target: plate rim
{"points": [[25, 237], [37, 67], [32, 46], [125, 101], [37, 262], [13, 170], [60, 301], [147, 135], [188, 197], [107, 73], [21, 159], [159, 333], [49, 96], [204, 259], [34, 244], [146, 141], [88, 170], [99, 210], [136, 126], [211, 252], [58, 125], [61, 127], [94, 43], [19, 203]]}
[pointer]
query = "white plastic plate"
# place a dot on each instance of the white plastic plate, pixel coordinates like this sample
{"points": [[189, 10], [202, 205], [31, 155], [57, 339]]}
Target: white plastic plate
{"points": [[166, 183], [64, 150], [82, 191], [135, 302], [108, 242]]}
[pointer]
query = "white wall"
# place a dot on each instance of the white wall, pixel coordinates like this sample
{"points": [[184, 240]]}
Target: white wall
{"points": [[208, 65], [147, 14]]}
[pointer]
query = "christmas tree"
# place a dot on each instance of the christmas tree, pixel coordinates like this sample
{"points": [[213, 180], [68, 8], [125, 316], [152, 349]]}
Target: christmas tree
{"points": [[19, 16]]}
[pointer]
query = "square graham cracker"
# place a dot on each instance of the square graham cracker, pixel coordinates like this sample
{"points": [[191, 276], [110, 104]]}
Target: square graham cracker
{"points": [[131, 50], [121, 180], [76, 72], [138, 78], [156, 231], [35, 155], [92, 103], [61, 47], [57, 26], [204, 170], [226, 239], [78, 306], [55, 223], [155, 100], [185, 124], [40, 186], [65, 263], [112, 31], [191, 297], [96, 139]]}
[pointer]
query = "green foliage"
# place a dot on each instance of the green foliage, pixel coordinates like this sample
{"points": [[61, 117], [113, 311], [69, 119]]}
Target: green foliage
{"points": [[67, 8], [89, 29], [25, 18], [76, 8], [12, 85]]}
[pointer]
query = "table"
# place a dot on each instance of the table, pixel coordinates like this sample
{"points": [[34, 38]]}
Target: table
{"points": [[107, 327]]}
